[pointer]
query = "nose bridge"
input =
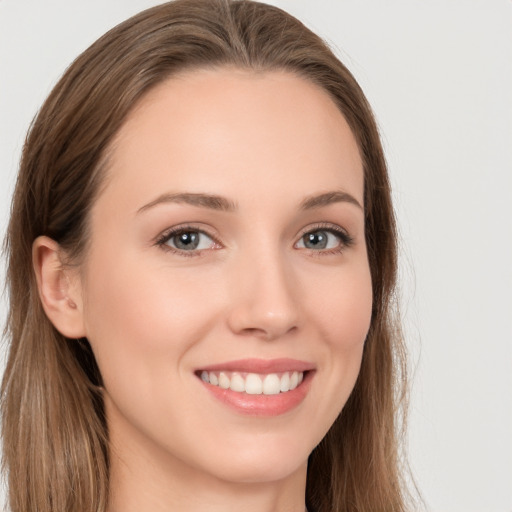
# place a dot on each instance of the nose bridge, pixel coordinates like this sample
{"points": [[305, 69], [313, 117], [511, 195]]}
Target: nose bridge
{"points": [[264, 303]]}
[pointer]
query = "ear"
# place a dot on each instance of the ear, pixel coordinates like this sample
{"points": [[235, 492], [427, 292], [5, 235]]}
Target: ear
{"points": [[59, 288]]}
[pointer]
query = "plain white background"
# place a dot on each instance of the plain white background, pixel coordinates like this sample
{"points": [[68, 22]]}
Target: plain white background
{"points": [[439, 75]]}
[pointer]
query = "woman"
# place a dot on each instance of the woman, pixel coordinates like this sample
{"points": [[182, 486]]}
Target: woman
{"points": [[204, 216]]}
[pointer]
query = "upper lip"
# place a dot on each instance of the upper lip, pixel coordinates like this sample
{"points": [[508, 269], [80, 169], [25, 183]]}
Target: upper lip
{"points": [[261, 366]]}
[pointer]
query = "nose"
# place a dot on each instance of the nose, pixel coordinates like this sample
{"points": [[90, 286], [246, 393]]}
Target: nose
{"points": [[264, 298]]}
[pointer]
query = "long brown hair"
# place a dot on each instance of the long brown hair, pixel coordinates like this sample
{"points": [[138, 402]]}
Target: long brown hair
{"points": [[54, 430]]}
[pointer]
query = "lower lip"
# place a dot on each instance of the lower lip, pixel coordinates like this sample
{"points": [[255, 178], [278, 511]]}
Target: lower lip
{"points": [[262, 405]]}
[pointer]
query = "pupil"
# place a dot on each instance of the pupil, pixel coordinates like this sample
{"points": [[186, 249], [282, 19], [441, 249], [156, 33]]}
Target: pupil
{"points": [[188, 240], [316, 240]]}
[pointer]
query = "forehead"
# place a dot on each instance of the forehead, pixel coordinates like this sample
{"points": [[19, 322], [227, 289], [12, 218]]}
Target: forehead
{"points": [[234, 132]]}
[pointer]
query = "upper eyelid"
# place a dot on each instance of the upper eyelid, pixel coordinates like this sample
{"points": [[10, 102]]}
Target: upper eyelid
{"points": [[174, 230], [326, 226]]}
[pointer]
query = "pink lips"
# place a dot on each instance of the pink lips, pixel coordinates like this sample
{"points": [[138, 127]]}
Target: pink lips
{"points": [[261, 366], [262, 405]]}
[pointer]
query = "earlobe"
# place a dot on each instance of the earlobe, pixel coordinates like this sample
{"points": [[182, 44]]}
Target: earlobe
{"points": [[59, 288]]}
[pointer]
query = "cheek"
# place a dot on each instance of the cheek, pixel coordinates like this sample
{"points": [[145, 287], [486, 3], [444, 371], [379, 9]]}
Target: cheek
{"points": [[139, 317], [350, 327], [142, 323], [343, 305], [343, 308]]}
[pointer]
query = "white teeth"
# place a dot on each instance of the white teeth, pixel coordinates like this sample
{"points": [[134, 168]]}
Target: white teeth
{"points": [[254, 384], [237, 383], [285, 382], [224, 381], [294, 380], [271, 384]]}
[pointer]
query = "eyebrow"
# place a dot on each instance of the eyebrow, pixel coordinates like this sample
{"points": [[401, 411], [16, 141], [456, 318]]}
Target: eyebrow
{"points": [[219, 203], [211, 202], [327, 198]]}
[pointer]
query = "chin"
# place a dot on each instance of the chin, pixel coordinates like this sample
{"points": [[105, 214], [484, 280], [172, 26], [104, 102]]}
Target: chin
{"points": [[264, 461], [260, 471]]}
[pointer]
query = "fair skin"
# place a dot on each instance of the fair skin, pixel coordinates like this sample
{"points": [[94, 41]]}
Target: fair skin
{"points": [[268, 276]]}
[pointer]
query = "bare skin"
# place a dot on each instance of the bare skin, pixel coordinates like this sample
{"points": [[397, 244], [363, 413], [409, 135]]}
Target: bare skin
{"points": [[231, 228]]}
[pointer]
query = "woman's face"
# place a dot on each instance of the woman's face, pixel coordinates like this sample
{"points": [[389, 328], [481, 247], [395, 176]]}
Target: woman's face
{"points": [[226, 291]]}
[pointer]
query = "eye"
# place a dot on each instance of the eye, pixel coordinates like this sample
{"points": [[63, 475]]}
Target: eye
{"points": [[318, 240], [324, 239], [186, 240]]}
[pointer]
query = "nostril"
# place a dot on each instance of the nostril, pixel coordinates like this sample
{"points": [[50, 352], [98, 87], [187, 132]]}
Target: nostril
{"points": [[269, 334]]}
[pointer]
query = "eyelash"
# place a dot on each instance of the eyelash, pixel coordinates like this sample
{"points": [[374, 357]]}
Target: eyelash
{"points": [[346, 241], [162, 240]]}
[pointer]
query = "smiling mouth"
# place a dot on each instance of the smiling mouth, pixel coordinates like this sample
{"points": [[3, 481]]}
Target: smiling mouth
{"points": [[258, 387], [254, 383]]}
